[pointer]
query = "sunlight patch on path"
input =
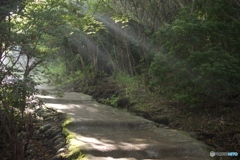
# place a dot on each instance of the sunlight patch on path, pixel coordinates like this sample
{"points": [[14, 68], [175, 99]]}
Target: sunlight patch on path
{"points": [[103, 132]]}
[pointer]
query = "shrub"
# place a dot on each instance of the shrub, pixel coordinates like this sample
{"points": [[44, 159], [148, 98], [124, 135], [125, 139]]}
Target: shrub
{"points": [[16, 123], [199, 58]]}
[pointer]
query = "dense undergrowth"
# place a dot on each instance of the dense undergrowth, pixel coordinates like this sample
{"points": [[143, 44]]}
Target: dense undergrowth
{"points": [[16, 123]]}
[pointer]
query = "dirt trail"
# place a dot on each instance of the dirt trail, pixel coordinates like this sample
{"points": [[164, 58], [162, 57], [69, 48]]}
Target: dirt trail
{"points": [[104, 132]]}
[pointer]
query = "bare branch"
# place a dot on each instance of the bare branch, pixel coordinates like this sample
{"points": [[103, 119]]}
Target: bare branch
{"points": [[229, 16], [237, 2]]}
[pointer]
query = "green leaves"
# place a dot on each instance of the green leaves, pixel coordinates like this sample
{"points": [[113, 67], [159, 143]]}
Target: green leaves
{"points": [[122, 19], [91, 25], [197, 57]]}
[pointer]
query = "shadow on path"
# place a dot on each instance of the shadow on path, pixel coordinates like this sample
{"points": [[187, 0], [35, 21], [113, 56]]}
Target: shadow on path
{"points": [[104, 132]]}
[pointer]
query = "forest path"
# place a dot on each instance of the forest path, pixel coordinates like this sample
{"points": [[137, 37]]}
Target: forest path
{"points": [[106, 133]]}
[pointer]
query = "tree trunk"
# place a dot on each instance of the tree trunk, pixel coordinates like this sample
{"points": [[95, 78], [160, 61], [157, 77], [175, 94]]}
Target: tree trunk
{"points": [[128, 52], [83, 64]]}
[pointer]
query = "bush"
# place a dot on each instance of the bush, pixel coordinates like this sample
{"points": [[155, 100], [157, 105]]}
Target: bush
{"points": [[199, 58], [16, 123]]}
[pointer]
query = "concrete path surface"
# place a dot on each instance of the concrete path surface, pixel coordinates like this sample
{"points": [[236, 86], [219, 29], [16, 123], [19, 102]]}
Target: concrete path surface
{"points": [[106, 133]]}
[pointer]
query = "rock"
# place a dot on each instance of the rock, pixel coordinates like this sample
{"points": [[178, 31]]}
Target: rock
{"points": [[61, 150], [48, 133], [52, 132], [45, 127], [123, 102], [57, 136], [48, 130], [59, 146], [57, 157], [59, 140], [56, 132]]}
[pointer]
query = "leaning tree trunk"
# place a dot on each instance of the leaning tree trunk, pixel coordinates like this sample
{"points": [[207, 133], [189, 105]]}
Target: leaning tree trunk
{"points": [[83, 64]]}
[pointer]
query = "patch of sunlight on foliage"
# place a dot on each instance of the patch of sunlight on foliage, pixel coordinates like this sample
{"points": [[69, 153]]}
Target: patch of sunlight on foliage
{"points": [[142, 107], [69, 135], [59, 76], [56, 72], [111, 101], [74, 76], [74, 152], [131, 83], [59, 93], [67, 122], [65, 131], [125, 79], [38, 74], [57, 68]]}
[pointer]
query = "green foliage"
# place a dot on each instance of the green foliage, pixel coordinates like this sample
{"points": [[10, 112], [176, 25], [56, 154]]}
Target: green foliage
{"points": [[27, 24], [16, 123], [91, 25], [111, 101], [74, 77], [74, 150], [122, 19], [199, 58], [134, 89], [57, 71], [128, 82]]}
